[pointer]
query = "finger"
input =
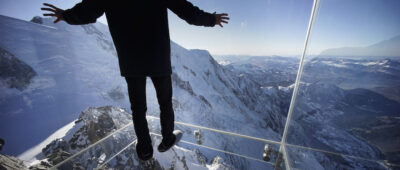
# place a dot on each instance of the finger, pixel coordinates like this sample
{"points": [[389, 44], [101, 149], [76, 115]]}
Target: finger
{"points": [[49, 5], [48, 9], [50, 15], [224, 14], [225, 18], [220, 25], [224, 21], [58, 19]]}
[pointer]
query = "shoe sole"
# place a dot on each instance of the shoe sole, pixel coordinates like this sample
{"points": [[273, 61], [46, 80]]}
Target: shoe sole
{"points": [[145, 158], [178, 136]]}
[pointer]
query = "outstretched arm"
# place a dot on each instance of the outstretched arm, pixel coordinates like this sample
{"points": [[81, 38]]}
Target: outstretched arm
{"points": [[195, 16], [84, 12]]}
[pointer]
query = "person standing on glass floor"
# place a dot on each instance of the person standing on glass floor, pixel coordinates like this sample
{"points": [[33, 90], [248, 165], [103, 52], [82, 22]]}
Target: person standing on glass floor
{"points": [[139, 29]]}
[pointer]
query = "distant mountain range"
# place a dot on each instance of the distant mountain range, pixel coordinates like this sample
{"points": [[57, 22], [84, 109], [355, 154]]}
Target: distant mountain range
{"points": [[76, 71], [77, 68], [338, 96], [386, 48]]}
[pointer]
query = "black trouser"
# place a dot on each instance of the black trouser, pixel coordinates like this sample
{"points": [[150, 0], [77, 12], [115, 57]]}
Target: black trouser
{"points": [[137, 97]]}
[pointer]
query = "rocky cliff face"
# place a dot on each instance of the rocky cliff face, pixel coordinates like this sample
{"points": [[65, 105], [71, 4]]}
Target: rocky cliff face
{"points": [[11, 163], [14, 73], [83, 71], [97, 122]]}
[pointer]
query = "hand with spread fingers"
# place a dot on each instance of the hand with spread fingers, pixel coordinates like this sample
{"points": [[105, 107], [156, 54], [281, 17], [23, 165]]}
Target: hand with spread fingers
{"points": [[221, 18], [56, 12]]}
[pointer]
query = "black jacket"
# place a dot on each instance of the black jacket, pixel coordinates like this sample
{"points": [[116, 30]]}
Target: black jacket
{"points": [[139, 29]]}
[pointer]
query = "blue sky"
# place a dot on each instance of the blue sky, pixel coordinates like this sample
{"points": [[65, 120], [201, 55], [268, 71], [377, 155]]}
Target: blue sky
{"points": [[267, 27]]}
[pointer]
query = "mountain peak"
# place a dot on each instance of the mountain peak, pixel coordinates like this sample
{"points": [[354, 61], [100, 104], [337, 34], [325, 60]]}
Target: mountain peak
{"points": [[37, 19], [106, 115]]}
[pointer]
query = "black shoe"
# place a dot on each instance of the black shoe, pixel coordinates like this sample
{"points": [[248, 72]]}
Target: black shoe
{"points": [[144, 153], [176, 138]]}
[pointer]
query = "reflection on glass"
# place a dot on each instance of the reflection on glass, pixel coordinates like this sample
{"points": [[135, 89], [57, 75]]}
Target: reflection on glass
{"points": [[54, 75], [118, 151], [60, 87], [98, 134], [346, 114], [243, 151], [306, 159]]}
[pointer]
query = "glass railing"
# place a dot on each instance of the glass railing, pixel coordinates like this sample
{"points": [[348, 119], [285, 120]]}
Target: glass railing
{"points": [[342, 100], [340, 110], [93, 154], [194, 150], [117, 150]]}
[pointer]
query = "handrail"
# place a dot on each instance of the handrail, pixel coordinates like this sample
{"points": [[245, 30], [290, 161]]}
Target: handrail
{"points": [[207, 147], [183, 141], [90, 146], [111, 158], [330, 152], [222, 131], [297, 83], [267, 141]]}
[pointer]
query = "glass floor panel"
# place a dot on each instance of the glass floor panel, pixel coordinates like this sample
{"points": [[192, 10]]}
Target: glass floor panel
{"points": [[117, 152]]}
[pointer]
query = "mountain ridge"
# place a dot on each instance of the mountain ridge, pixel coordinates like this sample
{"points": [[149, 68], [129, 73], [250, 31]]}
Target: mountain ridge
{"points": [[205, 93], [385, 48]]}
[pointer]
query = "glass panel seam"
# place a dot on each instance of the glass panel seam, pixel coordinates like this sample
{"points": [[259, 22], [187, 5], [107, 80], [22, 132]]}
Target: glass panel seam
{"points": [[297, 83]]}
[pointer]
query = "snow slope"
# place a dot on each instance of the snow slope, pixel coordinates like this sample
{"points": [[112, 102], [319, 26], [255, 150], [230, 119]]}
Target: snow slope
{"points": [[338, 108], [30, 156], [77, 68], [96, 123]]}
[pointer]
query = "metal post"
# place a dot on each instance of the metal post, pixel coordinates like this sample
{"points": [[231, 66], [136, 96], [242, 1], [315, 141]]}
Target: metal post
{"points": [[296, 87]]}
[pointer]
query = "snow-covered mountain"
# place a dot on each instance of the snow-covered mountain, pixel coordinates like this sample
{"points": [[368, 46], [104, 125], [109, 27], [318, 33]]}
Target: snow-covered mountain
{"points": [[386, 48], [267, 70], [72, 68], [329, 114], [94, 124], [352, 73], [338, 106], [76, 69]]}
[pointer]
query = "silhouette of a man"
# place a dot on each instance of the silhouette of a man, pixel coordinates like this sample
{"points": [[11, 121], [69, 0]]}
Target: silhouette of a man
{"points": [[139, 29]]}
